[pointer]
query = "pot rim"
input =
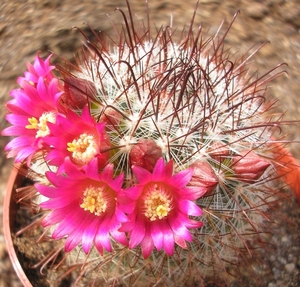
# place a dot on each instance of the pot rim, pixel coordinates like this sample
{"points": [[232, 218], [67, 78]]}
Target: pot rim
{"points": [[8, 205]]}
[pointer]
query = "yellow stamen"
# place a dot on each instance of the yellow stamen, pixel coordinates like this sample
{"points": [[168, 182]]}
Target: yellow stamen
{"points": [[33, 123], [94, 200], [83, 149], [41, 124], [157, 204]]}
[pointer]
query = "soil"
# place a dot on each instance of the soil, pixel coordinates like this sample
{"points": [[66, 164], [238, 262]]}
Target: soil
{"points": [[35, 25]]}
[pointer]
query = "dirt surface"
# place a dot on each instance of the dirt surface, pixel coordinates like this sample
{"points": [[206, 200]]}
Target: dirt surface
{"points": [[34, 25]]}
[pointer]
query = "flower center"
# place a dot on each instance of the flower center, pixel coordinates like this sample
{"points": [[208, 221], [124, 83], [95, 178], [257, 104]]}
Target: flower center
{"points": [[94, 200], [83, 149], [41, 124], [157, 203]]}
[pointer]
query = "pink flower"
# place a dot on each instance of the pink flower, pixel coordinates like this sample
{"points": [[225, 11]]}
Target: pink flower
{"points": [[79, 137], [33, 107], [84, 206], [159, 208], [40, 68]]}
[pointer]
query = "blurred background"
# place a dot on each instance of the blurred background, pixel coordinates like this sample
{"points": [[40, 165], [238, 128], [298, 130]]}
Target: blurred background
{"points": [[46, 25]]}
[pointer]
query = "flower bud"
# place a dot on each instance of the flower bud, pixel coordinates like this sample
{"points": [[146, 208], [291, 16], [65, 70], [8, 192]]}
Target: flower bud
{"points": [[145, 154], [111, 118], [78, 92], [218, 151], [248, 166], [203, 177]]}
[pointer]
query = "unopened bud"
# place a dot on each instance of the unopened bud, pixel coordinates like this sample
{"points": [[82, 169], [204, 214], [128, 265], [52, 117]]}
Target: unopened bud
{"points": [[218, 151], [78, 92], [111, 118], [248, 166], [203, 177], [145, 154]]}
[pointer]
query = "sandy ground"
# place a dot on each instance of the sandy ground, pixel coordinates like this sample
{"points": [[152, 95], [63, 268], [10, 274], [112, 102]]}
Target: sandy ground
{"points": [[36, 25]]}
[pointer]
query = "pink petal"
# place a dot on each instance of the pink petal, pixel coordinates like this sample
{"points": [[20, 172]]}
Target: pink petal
{"points": [[102, 238], [45, 190], [189, 207], [137, 233], [89, 235], [99, 247], [168, 242], [59, 202], [73, 240], [156, 235], [120, 237], [117, 183], [181, 179], [54, 217], [193, 224], [193, 193], [16, 131], [127, 226], [80, 222], [180, 241], [92, 169], [24, 153], [134, 192], [147, 245], [179, 228], [160, 171], [141, 174], [67, 224], [126, 204], [55, 179], [22, 141], [120, 215], [17, 120]]}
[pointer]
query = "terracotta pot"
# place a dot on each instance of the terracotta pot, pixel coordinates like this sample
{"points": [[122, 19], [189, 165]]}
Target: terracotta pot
{"points": [[9, 217]]}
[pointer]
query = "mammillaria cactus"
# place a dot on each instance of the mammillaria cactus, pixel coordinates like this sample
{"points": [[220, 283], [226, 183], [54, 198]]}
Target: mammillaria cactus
{"points": [[160, 155]]}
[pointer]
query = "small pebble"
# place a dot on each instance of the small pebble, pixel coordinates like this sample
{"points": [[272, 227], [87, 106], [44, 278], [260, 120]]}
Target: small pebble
{"points": [[289, 267], [256, 10], [272, 258]]}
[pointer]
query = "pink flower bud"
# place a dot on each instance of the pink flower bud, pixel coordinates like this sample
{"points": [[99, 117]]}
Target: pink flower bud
{"points": [[145, 154], [203, 177], [218, 151], [248, 166], [78, 92], [111, 118]]}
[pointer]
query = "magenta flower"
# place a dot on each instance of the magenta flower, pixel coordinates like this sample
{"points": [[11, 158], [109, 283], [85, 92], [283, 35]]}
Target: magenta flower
{"points": [[159, 208], [40, 68], [85, 207], [79, 137], [33, 107]]}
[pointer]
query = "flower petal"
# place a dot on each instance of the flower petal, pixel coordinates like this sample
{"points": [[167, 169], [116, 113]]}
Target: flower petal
{"points": [[189, 207], [138, 232], [157, 235], [147, 245], [179, 228]]}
